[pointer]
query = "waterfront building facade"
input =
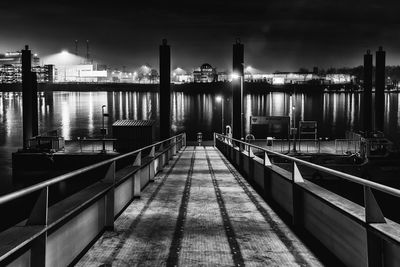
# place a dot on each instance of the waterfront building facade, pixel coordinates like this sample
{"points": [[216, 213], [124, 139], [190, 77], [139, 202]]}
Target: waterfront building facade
{"points": [[11, 68], [205, 74]]}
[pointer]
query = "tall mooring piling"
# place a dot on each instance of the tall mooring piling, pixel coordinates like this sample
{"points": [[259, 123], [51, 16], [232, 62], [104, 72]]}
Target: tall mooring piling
{"points": [[165, 90], [29, 98], [380, 89], [367, 106], [237, 90]]}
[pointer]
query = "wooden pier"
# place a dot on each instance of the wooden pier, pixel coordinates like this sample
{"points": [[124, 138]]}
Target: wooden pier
{"points": [[199, 212]]}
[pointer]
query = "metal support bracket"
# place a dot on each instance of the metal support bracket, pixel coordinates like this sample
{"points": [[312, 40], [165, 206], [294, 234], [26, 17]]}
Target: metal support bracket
{"points": [[152, 152], [373, 213], [110, 174], [267, 161], [296, 175], [39, 213], [138, 160]]}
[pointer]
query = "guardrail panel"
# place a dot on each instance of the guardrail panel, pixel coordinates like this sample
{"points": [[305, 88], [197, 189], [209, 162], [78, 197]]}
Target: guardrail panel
{"points": [[281, 191], [123, 194], [343, 236], [144, 176], [246, 164], [391, 254], [67, 242], [259, 174]]}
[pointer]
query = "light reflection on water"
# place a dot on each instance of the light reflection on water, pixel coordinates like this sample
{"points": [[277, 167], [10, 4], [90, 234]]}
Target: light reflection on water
{"points": [[78, 114]]}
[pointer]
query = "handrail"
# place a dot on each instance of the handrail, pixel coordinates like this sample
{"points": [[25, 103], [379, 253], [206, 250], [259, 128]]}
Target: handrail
{"points": [[92, 139], [60, 178], [349, 177]]}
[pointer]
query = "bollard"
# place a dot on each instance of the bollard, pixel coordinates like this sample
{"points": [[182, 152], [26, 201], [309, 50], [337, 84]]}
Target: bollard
{"points": [[199, 138]]}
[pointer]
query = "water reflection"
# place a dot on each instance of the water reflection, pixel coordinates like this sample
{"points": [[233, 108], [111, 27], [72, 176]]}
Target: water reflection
{"points": [[78, 114]]}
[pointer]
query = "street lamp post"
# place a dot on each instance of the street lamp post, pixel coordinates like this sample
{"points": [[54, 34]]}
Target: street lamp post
{"points": [[220, 99], [294, 129], [103, 129]]}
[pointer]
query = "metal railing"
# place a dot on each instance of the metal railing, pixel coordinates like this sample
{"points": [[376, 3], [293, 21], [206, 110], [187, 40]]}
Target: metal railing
{"points": [[52, 143], [344, 146], [64, 177], [90, 145], [247, 148], [361, 226], [135, 173], [337, 146]]}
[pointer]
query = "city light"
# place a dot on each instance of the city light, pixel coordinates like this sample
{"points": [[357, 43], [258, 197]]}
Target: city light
{"points": [[218, 99], [235, 76], [64, 52]]}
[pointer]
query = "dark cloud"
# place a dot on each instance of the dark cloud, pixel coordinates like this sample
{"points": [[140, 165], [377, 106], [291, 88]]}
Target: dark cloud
{"points": [[277, 34]]}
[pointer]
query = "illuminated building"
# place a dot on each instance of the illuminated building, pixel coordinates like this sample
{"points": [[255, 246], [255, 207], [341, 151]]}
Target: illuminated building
{"points": [[179, 75], [299, 78], [79, 73], [118, 76], [10, 74], [10, 68], [14, 58], [205, 74]]}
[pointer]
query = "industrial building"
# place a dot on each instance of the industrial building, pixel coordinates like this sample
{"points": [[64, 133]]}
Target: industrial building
{"points": [[11, 65], [80, 73]]}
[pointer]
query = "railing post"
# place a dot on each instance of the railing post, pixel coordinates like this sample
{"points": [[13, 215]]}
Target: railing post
{"points": [[297, 196], [214, 139], [136, 176], [110, 178], [174, 146], [39, 216], [152, 170], [373, 215], [161, 161], [178, 144]]}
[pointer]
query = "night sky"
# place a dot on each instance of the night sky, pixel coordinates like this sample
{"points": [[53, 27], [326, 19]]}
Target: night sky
{"points": [[278, 35]]}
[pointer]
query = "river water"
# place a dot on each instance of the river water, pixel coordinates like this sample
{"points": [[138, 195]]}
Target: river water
{"points": [[78, 114]]}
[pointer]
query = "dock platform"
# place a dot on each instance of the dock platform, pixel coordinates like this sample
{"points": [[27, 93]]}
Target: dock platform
{"points": [[199, 211]]}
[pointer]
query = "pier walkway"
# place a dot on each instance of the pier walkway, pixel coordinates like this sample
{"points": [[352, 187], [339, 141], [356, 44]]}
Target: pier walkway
{"points": [[199, 211]]}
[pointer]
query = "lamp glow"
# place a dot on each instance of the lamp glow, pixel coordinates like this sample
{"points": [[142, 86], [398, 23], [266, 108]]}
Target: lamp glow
{"points": [[235, 76]]}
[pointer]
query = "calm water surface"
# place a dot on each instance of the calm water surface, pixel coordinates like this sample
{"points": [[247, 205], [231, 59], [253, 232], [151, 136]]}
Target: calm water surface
{"points": [[78, 114]]}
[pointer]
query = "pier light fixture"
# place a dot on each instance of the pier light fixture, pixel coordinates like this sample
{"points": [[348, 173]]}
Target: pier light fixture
{"points": [[235, 76]]}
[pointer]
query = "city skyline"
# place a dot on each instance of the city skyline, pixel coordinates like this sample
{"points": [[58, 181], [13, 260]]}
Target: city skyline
{"points": [[277, 36]]}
